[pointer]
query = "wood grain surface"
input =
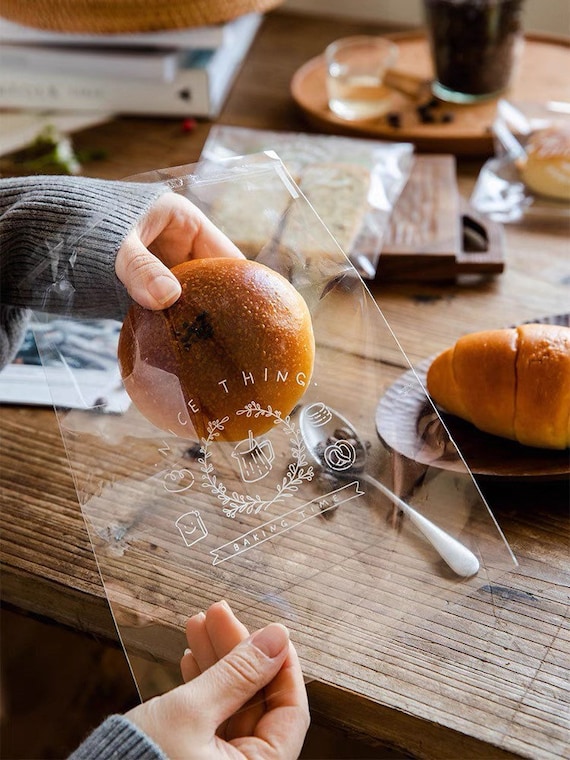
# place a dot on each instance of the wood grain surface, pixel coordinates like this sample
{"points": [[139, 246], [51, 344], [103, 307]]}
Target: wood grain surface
{"points": [[427, 237], [485, 676]]}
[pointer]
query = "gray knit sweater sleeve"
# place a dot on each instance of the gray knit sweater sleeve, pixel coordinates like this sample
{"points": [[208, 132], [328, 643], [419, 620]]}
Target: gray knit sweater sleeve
{"points": [[118, 739], [59, 237]]}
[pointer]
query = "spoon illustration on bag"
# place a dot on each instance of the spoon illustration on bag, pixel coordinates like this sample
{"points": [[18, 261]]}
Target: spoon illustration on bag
{"points": [[347, 458]]}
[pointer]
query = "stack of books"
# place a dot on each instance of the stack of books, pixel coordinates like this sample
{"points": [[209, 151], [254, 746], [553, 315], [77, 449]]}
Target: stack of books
{"points": [[171, 73]]}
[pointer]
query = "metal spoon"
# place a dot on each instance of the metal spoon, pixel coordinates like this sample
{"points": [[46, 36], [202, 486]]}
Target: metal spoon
{"points": [[347, 458]]}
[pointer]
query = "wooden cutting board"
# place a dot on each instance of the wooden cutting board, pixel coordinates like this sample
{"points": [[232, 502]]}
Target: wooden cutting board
{"points": [[433, 233]]}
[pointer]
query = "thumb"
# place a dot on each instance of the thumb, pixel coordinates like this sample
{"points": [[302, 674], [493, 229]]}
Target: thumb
{"points": [[225, 687], [148, 281]]}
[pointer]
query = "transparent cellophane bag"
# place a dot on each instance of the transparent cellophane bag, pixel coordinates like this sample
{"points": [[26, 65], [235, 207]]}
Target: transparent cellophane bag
{"points": [[297, 526], [500, 191], [352, 183]]}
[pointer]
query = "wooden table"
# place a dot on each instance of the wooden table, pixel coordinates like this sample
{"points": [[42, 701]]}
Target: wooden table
{"points": [[493, 686]]}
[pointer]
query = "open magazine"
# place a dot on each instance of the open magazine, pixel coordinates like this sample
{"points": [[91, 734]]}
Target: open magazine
{"points": [[87, 347]]}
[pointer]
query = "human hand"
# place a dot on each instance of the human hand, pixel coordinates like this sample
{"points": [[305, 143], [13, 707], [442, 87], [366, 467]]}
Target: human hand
{"points": [[222, 711], [172, 231], [211, 636]]}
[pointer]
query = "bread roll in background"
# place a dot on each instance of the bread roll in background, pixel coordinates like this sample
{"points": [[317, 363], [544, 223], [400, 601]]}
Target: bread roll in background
{"points": [[514, 383], [239, 333], [545, 169]]}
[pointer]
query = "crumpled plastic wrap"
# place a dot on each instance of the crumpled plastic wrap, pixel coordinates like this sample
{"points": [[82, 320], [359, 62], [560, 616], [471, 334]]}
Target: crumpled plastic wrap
{"points": [[300, 525]]}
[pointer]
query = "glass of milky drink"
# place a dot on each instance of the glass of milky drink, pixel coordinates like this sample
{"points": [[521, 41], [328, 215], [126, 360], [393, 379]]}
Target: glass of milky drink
{"points": [[355, 76]]}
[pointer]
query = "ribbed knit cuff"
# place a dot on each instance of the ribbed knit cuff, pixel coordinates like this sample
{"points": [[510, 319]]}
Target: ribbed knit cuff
{"points": [[117, 739], [59, 240]]}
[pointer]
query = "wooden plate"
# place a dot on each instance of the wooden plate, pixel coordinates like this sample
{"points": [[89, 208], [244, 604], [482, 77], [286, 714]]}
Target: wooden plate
{"points": [[407, 423], [542, 76]]}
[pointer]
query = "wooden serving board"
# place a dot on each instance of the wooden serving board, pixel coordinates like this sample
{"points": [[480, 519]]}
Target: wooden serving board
{"points": [[542, 76], [434, 234]]}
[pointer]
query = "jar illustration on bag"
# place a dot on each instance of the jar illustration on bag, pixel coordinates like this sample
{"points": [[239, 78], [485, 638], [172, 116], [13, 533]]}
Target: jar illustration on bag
{"points": [[254, 458]]}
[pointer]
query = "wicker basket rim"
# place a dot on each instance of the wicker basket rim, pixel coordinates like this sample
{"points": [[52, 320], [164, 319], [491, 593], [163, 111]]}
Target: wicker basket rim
{"points": [[123, 16]]}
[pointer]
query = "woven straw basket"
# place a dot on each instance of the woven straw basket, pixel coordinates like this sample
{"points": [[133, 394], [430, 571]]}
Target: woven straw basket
{"points": [[118, 16]]}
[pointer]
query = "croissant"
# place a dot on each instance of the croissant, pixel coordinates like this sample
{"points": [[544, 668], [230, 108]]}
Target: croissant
{"points": [[514, 383]]}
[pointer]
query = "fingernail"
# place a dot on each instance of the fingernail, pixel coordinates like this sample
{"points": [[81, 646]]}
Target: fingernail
{"points": [[219, 603], [271, 640], [164, 289], [187, 651]]}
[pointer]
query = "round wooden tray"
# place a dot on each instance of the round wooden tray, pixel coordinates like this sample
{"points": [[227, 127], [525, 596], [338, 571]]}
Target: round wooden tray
{"points": [[542, 76], [407, 423]]}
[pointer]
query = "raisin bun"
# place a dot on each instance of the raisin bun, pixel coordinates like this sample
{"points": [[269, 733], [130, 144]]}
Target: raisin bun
{"points": [[545, 169], [237, 343]]}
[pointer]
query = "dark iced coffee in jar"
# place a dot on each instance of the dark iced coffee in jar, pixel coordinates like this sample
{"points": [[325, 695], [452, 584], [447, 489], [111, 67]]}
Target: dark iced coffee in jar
{"points": [[475, 45]]}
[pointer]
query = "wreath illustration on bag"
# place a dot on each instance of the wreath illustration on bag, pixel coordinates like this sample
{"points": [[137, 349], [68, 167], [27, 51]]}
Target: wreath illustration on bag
{"points": [[298, 471]]}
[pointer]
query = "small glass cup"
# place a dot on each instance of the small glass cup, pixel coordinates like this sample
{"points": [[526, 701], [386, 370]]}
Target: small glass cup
{"points": [[355, 76], [475, 46]]}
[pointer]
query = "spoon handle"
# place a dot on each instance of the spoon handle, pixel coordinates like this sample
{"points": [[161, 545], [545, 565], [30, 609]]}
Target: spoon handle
{"points": [[459, 558]]}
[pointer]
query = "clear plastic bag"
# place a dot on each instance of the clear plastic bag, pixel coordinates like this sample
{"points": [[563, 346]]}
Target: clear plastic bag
{"points": [[299, 525], [359, 181], [500, 192]]}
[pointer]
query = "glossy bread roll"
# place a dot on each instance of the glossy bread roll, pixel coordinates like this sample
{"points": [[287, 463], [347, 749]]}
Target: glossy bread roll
{"points": [[240, 334], [546, 167], [513, 383]]}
